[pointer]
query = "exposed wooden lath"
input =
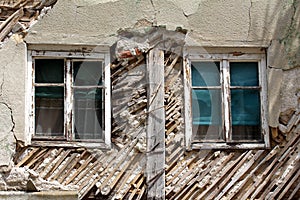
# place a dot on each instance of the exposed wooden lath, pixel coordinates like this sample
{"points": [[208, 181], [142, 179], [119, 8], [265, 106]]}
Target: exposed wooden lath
{"points": [[17, 16]]}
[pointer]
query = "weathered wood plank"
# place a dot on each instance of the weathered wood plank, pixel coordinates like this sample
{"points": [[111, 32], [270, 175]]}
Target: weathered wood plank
{"points": [[155, 167]]}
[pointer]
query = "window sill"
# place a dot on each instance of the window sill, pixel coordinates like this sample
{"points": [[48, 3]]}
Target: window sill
{"points": [[228, 146], [89, 145]]}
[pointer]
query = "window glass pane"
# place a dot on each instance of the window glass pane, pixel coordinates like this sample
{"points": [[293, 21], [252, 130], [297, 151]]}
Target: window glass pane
{"points": [[49, 70], [205, 73], [49, 112], [207, 117], [244, 74], [50, 92], [87, 73], [245, 112], [88, 110]]}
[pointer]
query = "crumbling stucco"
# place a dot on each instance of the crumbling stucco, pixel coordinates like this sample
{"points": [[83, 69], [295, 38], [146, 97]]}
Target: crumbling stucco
{"points": [[7, 140]]}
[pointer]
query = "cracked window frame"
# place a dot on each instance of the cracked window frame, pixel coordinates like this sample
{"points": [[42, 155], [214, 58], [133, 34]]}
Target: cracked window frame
{"points": [[69, 99], [225, 98]]}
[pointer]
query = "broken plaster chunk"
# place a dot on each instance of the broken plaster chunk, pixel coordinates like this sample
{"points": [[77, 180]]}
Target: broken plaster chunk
{"points": [[17, 175]]}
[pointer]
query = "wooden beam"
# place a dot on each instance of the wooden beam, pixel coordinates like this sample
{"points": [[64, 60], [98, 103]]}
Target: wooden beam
{"points": [[155, 168], [9, 23]]}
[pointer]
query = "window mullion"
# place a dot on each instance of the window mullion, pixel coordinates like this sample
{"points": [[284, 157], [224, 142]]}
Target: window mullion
{"points": [[226, 100], [68, 104]]}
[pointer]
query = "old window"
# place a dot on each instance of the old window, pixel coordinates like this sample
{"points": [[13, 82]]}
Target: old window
{"points": [[70, 98], [225, 97]]}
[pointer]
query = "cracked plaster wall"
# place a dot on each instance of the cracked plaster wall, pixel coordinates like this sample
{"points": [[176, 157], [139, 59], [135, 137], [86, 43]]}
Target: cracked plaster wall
{"points": [[12, 98], [260, 23]]}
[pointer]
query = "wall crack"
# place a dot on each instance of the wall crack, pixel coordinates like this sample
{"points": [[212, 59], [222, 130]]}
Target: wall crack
{"points": [[250, 19], [11, 116], [154, 23], [292, 23]]}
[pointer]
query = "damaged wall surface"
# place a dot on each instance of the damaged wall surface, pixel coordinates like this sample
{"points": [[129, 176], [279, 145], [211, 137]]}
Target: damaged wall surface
{"points": [[149, 158]]}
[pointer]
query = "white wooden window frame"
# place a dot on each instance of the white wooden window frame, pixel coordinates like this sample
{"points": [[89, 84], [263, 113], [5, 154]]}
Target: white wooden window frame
{"points": [[69, 57], [225, 56]]}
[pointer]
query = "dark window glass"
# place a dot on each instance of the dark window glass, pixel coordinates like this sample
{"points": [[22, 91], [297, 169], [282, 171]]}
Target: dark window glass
{"points": [[245, 114], [49, 111], [87, 73], [244, 74], [49, 70]]}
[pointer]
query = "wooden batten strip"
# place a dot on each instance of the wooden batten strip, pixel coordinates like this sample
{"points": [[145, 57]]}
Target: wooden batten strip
{"points": [[278, 163], [297, 188], [125, 186], [185, 190], [42, 173], [275, 183], [141, 193], [170, 67], [223, 174], [37, 157], [117, 178], [28, 157], [117, 166], [288, 185], [106, 165], [38, 165], [64, 176], [237, 177], [240, 161], [9, 23], [64, 167], [65, 154], [79, 170]]}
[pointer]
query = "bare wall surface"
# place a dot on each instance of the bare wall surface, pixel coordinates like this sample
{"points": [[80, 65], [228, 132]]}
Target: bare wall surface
{"points": [[12, 88]]}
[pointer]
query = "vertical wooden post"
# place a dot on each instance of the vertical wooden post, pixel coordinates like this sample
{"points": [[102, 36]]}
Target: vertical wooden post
{"points": [[156, 126]]}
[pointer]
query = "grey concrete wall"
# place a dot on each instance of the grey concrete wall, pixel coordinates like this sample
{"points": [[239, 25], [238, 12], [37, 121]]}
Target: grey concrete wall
{"points": [[262, 23]]}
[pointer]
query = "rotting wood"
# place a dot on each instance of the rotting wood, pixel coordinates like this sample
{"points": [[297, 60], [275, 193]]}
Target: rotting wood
{"points": [[287, 187], [237, 176], [278, 162], [183, 189], [37, 157], [252, 173], [9, 23], [71, 167], [65, 164], [109, 187], [47, 168], [106, 165], [156, 125], [28, 157], [269, 190], [57, 164], [297, 189], [216, 182], [193, 180], [78, 171], [130, 178], [241, 160]]}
